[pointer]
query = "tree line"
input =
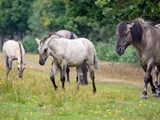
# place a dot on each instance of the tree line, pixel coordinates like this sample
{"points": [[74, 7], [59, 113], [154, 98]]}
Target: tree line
{"points": [[93, 19]]}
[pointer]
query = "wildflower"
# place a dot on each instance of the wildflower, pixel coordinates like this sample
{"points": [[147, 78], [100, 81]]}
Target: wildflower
{"points": [[44, 107], [25, 118], [108, 110], [109, 113], [122, 118]]}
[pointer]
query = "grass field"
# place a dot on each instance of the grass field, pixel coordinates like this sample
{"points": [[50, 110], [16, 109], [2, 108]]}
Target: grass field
{"points": [[33, 97]]}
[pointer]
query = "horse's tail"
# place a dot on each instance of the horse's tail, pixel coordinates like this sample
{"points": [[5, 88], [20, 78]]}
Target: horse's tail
{"points": [[96, 65]]}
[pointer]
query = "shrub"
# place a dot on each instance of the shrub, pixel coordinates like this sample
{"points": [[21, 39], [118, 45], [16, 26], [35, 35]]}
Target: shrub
{"points": [[30, 44], [107, 51]]}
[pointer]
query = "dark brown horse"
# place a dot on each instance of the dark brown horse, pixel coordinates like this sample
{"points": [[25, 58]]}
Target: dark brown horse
{"points": [[146, 40]]}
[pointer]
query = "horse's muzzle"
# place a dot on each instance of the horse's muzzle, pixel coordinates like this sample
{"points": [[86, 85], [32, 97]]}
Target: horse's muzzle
{"points": [[42, 61], [20, 74], [120, 50]]}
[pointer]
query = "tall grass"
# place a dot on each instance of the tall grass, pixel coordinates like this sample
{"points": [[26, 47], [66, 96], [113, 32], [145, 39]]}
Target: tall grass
{"points": [[34, 98]]}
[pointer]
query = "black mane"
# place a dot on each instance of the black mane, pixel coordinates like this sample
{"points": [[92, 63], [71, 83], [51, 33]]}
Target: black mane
{"points": [[136, 32]]}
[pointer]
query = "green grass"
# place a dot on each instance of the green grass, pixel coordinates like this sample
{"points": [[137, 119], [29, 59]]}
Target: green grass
{"points": [[33, 98]]}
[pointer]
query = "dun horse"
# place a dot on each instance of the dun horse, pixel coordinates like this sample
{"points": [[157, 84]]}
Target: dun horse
{"points": [[157, 77], [14, 51], [146, 40], [70, 35], [68, 53]]}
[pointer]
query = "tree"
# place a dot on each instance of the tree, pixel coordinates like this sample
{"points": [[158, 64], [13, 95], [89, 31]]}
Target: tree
{"points": [[119, 10], [14, 16]]}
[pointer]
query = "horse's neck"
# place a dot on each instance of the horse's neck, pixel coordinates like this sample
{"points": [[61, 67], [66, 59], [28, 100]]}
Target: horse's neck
{"points": [[57, 47], [20, 55], [54, 42]]}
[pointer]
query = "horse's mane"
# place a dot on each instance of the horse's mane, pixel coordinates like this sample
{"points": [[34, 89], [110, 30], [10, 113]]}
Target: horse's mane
{"points": [[48, 36], [137, 31]]}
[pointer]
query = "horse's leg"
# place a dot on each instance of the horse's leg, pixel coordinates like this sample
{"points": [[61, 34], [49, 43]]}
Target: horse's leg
{"points": [[79, 76], [52, 75], [156, 77], [85, 70], [8, 65], [158, 80], [62, 73], [67, 71], [91, 70], [147, 79]]}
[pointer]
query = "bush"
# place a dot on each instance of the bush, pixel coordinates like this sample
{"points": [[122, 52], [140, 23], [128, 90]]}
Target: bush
{"points": [[107, 51], [30, 44]]}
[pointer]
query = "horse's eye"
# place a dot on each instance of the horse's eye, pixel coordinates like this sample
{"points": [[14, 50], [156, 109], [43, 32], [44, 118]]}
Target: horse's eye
{"points": [[45, 50]]}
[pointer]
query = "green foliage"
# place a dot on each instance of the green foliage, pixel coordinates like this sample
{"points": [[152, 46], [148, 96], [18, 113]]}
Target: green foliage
{"points": [[14, 15], [107, 51], [129, 56], [30, 44], [93, 19]]}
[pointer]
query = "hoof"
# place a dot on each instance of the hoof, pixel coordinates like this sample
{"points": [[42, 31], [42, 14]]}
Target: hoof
{"points": [[94, 90], [55, 88], [143, 96], [68, 80], [154, 95], [158, 93]]}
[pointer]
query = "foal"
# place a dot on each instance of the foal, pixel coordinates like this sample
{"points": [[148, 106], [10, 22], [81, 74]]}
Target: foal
{"points": [[14, 51]]}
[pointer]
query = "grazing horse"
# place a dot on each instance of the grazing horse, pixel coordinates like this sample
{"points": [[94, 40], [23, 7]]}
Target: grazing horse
{"points": [[14, 51], [68, 53], [70, 35], [146, 40]]}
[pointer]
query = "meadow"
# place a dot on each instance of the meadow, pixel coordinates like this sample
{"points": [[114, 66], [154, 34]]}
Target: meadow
{"points": [[33, 98]]}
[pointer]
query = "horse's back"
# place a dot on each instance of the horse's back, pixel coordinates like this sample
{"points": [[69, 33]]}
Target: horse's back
{"points": [[11, 47], [67, 34], [88, 44], [73, 51]]}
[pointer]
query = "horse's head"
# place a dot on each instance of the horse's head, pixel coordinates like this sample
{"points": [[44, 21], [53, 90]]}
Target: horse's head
{"points": [[21, 68], [124, 36], [43, 51]]}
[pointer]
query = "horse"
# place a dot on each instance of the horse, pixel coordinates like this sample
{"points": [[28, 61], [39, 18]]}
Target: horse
{"points": [[70, 35], [65, 34], [157, 76], [68, 53], [14, 51], [146, 40]]}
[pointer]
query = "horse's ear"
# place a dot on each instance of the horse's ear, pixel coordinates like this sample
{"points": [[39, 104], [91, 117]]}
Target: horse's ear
{"points": [[130, 25], [37, 40]]}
